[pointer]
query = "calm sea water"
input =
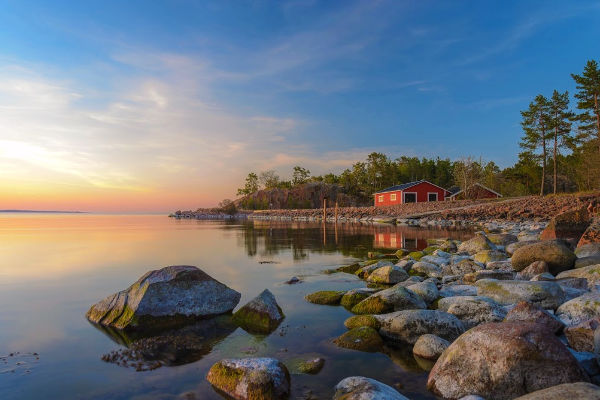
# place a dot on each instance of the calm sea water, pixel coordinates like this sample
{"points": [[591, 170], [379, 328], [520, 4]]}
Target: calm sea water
{"points": [[53, 267]]}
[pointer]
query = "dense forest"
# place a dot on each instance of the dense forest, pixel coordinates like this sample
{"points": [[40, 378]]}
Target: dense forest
{"points": [[560, 153]]}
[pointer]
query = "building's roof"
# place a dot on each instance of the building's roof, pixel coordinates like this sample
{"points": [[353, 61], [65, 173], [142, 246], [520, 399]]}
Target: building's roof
{"points": [[481, 186], [454, 189], [405, 186]]}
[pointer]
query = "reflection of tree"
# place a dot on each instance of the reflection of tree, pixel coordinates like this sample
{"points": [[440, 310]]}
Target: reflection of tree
{"points": [[269, 238]]}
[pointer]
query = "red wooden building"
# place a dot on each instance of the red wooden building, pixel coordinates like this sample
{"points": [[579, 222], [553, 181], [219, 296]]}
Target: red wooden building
{"points": [[475, 191], [413, 192]]}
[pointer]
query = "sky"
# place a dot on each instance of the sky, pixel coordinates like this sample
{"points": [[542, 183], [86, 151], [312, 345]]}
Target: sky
{"points": [[154, 106]]}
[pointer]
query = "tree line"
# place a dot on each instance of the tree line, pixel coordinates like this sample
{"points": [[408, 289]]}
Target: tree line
{"points": [[560, 153]]}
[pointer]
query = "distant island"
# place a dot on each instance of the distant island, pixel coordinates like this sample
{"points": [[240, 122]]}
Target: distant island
{"points": [[43, 211]]}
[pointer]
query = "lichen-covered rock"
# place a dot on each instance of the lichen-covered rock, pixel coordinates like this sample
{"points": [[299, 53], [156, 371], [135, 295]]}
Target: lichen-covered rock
{"points": [[572, 391], [356, 321], [489, 274], [349, 269], [579, 309], [472, 310], [591, 273], [430, 347], [365, 271], [427, 269], [555, 253], [427, 290], [503, 360], [502, 239], [363, 338], [591, 234], [325, 297], [361, 388], [533, 269], [389, 275], [437, 260], [587, 261], [407, 326], [548, 295], [486, 256], [581, 336], [524, 311], [251, 378], [165, 297], [448, 246], [465, 266], [392, 299], [505, 265], [511, 248], [458, 290], [310, 366], [354, 296], [476, 244], [588, 250], [261, 314]]}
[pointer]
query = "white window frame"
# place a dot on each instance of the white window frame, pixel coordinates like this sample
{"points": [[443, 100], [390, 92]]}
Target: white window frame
{"points": [[393, 197], [437, 197], [380, 198], [404, 197]]}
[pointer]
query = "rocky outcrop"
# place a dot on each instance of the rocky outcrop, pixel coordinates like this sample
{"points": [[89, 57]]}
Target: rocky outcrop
{"points": [[430, 347], [548, 295], [555, 253], [361, 388], [261, 314], [165, 297], [578, 390], [503, 360], [251, 378], [407, 326]]}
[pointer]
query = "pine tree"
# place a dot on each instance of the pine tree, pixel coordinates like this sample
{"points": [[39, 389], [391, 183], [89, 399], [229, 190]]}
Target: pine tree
{"points": [[588, 96], [560, 125], [535, 124]]}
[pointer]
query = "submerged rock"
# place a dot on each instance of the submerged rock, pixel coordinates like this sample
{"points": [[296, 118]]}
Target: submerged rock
{"points": [[312, 366], [556, 254], [578, 390], [361, 388], [325, 297], [430, 347], [251, 378], [165, 297], [543, 293], [363, 338], [503, 360], [407, 326], [261, 314]]}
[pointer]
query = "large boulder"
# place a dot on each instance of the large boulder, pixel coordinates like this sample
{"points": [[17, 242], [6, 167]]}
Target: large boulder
{"points": [[407, 326], [591, 234], [555, 253], [165, 297], [361, 388], [567, 225], [524, 311], [430, 347], [578, 390], [261, 314], [503, 360], [591, 273], [251, 378], [476, 244], [390, 275], [546, 294], [580, 309], [472, 310], [427, 290], [393, 299]]}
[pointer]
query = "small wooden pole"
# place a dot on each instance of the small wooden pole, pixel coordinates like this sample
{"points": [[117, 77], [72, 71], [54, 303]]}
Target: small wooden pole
{"points": [[336, 212], [324, 209]]}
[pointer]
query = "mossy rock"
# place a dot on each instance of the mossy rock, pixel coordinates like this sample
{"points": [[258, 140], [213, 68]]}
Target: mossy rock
{"points": [[367, 263], [325, 297], [349, 269], [401, 253], [310, 366], [357, 321], [349, 300], [417, 255], [373, 305], [430, 249], [363, 338], [260, 315]]}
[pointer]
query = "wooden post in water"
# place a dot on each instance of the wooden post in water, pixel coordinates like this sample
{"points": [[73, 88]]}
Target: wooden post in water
{"points": [[324, 209], [336, 212]]}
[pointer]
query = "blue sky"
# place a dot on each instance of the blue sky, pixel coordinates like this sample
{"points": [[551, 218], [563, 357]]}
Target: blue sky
{"points": [[129, 98]]}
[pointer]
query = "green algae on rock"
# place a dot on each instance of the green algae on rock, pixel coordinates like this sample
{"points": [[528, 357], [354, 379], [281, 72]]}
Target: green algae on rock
{"points": [[354, 296], [251, 378], [392, 299], [260, 315], [363, 338], [357, 321], [325, 297], [166, 297]]}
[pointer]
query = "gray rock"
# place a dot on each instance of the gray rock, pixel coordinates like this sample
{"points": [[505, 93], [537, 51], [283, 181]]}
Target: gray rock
{"points": [[361, 388], [591, 273], [426, 269], [546, 276], [458, 290], [588, 360], [503, 239], [407, 326], [392, 299], [490, 274], [588, 250], [558, 256], [251, 378], [427, 290], [587, 261], [578, 390], [430, 347], [579, 309], [533, 269], [390, 274], [524, 311], [476, 244], [405, 264], [261, 314], [545, 294], [435, 260], [502, 361], [463, 267], [511, 248], [505, 265], [410, 281], [472, 310], [365, 271], [164, 297]]}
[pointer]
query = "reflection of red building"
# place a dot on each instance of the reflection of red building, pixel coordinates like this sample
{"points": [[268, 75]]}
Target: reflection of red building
{"points": [[398, 240], [413, 192]]}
